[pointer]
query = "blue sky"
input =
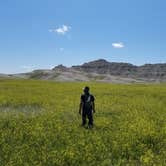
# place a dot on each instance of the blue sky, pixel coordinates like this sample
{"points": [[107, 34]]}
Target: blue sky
{"points": [[43, 33]]}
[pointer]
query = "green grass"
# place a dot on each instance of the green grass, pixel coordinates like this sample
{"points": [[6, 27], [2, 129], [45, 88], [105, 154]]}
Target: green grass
{"points": [[40, 125]]}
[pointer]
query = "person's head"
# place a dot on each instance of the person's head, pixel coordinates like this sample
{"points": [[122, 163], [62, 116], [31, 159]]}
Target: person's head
{"points": [[86, 90]]}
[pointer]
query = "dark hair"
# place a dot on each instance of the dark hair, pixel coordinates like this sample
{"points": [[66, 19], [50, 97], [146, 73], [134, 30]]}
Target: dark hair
{"points": [[86, 88]]}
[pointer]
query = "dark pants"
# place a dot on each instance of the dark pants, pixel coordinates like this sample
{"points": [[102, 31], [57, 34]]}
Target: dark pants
{"points": [[85, 114]]}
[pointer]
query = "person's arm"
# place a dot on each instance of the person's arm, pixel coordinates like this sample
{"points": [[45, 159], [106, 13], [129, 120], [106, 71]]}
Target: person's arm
{"points": [[93, 103], [93, 107], [81, 106]]}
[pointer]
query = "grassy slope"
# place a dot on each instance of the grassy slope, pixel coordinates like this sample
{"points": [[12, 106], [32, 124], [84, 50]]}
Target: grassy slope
{"points": [[39, 124]]}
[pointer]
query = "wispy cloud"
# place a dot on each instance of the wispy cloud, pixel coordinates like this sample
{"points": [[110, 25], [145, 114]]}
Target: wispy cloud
{"points": [[61, 49], [118, 45], [61, 30], [26, 68]]}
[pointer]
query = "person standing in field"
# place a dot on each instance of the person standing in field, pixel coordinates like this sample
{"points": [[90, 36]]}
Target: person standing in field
{"points": [[87, 107]]}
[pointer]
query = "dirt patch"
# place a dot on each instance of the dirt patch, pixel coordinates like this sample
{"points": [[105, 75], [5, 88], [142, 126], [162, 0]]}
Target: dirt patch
{"points": [[21, 108]]}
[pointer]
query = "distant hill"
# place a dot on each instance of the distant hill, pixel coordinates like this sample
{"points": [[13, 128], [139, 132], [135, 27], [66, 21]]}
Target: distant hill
{"points": [[100, 70], [155, 72]]}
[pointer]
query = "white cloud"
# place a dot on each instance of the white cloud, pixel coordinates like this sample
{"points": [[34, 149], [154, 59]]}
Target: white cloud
{"points": [[61, 49], [61, 30], [118, 45], [27, 68]]}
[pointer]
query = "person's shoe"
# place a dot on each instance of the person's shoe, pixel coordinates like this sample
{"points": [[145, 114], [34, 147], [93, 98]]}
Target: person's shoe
{"points": [[90, 126]]}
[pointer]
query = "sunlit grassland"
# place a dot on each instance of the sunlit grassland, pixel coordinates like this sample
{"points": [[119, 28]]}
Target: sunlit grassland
{"points": [[40, 124]]}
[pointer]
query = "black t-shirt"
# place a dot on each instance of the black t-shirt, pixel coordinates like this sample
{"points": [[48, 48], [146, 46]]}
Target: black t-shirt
{"points": [[87, 101]]}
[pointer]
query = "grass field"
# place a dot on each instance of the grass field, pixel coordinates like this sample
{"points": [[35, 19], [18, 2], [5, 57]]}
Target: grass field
{"points": [[40, 125]]}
